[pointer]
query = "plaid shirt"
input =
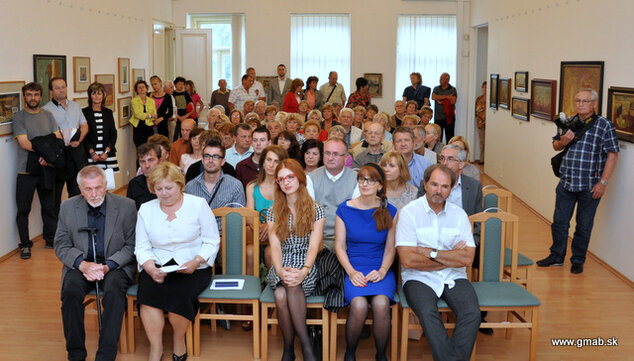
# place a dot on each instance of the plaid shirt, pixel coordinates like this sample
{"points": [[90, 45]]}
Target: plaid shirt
{"points": [[583, 165]]}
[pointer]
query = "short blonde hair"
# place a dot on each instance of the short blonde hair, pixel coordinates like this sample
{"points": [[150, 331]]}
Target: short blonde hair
{"points": [[435, 128], [298, 118], [312, 123], [337, 129], [411, 117], [426, 110], [382, 117], [359, 108], [460, 138], [169, 171]]}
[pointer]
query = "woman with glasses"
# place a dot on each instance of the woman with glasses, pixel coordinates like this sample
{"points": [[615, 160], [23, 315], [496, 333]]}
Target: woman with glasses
{"points": [[296, 225], [364, 244]]}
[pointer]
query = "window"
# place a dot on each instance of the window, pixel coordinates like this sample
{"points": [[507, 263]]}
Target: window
{"points": [[426, 44], [320, 44]]}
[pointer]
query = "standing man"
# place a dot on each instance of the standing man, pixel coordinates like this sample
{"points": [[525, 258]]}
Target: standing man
{"points": [[417, 164], [333, 92], [241, 149], [29, 123], [240, 94], [279, 88], [247, 169], [445, 96], [257, 89], [417, 91], [114, 218], [353, 134], [74, 128], [149, 155], [435, 244], [585, 171], [181, 146], [220, 96], [184, 105]]}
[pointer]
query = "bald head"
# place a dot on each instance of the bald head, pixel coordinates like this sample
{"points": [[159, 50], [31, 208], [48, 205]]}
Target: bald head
{"points": [[186, 127]]}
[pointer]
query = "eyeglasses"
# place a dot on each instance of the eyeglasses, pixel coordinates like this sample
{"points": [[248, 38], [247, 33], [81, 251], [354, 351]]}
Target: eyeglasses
{"points": [[369, 181], [442, 158], [329, 154], [210, 156], [583, 101], [289, 178]]}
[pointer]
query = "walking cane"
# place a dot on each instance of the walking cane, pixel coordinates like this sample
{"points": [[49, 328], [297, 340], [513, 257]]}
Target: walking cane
{"points": [[92, 232]]}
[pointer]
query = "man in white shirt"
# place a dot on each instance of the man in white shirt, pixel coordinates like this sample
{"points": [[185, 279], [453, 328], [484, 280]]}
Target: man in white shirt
{"points": [[435, 244], [353, 134], [241, 149], [333, 92], [241, 94], [257, 89]]}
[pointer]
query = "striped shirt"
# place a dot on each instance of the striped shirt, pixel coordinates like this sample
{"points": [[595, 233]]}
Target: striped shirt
{"points": [[100, 147], [228, 190]]}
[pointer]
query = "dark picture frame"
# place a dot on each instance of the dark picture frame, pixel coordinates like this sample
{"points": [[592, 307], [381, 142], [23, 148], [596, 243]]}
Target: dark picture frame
{"points": [[543, 98], [375, 82], [520, 108], [521, 81], [46, 67], [493, 91], [504, 93], [575, 75], [620, 102]]}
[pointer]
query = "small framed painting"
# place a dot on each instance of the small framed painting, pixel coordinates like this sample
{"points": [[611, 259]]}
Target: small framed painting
{"points": [[10, 103], [124, 108], [493, 93], [521, 81], [504, 93], [124, 75], [82, 101], [543, 98], [137, 74], [45, 68], [375, 82], [108, 82], [81, 73], [621, 111], [519, 108]]}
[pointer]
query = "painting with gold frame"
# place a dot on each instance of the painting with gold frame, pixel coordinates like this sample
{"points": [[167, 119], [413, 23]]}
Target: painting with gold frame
{"points": [[621, 111], [543, 98], [46, 67], [124, 110], [10, 103], [124, 75], [519, 108], [375, 82], [576, 75], [108, 82], [81, 73]]}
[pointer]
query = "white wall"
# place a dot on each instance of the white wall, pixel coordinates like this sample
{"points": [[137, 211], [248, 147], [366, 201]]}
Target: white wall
{"points": [[536, 36], [101, 30]]}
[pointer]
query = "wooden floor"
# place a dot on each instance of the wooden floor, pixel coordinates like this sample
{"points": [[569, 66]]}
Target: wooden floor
{"points": [[593, 304]]}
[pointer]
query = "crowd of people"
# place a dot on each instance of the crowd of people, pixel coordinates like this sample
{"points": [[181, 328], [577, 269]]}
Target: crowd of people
{"points": [[327, 180]]}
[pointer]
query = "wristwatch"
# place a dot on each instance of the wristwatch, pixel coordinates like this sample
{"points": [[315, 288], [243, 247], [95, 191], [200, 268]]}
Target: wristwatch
{"points": [[433, 254], [604, 182]]}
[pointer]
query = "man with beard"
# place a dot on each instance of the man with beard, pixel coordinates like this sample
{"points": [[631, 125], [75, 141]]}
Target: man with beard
{"points": [[27, 124]]}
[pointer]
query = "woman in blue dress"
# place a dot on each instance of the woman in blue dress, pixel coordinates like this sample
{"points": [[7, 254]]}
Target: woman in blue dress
{"points": [[364, 243]]}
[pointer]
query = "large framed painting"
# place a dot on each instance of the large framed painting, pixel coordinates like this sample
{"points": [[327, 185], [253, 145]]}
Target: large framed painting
{"points": [[124, 75], [520, 107], [108, 82], [543, 98], [46, 67], [493, 92], [375, 82], [576, 75], [521, 81], [621, 111], [504, 91], [81, 73], [10, 104], [124, 108]]}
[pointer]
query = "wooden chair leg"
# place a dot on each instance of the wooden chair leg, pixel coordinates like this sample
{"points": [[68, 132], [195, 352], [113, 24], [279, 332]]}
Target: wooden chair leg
{"points": [[509, 319], [256, 330], [264, 334], [333, 335], [189, 339], [325, 331], [532, 355], [473, 353], [394, 332], [130, 321], [197, 335], [123, 336], [212, 310], [404, 332]]}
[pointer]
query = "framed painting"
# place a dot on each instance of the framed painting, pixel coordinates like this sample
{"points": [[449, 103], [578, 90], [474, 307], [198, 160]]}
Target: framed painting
{"points": [[375, 81], [576, 75], [519, 108], [108, 82], [124, 75], [621, 111], [10, 103], [266, 81], [124, 108], [82, 101], [81, 73], [137, 74], [504, 91], [493, 92], [521, 81], [543, 98], [46, 67]]}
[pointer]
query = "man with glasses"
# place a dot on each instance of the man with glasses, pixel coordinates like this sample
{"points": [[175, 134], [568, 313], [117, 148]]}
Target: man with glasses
{"points": [[404, 142], [592, 152]]}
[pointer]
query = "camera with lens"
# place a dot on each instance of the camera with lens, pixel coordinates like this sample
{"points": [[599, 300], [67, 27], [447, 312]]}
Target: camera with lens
{"points": [[573, 123]]}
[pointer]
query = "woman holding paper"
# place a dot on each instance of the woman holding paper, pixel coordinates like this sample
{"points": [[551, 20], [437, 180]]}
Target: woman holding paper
{"points": [[176, 242]]}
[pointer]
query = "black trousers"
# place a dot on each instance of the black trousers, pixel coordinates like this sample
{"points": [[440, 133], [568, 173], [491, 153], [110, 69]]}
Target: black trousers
{"points": [[448, 129], [113, 290], [26, 186]]}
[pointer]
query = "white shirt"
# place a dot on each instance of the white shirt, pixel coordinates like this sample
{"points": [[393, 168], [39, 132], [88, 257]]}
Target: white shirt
{"points": [[193, 232], [419, 226], [455, 196], [333, 178], [257, 90], [281, 82]]}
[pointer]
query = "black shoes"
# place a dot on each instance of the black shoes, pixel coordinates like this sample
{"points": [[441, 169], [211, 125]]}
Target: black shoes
{"points": [[549, 261], [576, 268], [182, 357], [25, 253], [48, 245]]}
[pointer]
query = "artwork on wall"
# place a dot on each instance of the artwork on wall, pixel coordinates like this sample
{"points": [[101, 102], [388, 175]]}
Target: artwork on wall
{"points": [[10, 103], [82, 101], [493, 92], [543, 98], [521, 81], [576, 75], [504, 91], [266, 81], [81, 73], [138, 74], [124, 75], [375, 81], [621, 111], [124, 108], [520, 107], [46, 67], [108, 82]]}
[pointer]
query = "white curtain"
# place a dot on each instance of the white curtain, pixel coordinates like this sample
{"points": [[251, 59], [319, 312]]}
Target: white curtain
{"points": [[426, 44], [320, 44]]}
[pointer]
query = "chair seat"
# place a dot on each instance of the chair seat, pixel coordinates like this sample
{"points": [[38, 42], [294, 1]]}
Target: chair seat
{"points": [[250, 290], [504, 294], [132, 291], [521, 259], [400, 298], [267, 297]]}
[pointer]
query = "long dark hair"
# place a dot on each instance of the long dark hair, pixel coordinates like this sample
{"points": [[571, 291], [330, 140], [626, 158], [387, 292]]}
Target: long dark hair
{"points": [[293, 150], [310, 144]]}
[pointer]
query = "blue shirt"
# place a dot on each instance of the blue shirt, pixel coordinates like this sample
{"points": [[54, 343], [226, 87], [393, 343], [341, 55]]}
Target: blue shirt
{"points": [[233, 157], [69, 117], [417, 167], [419, 94]]}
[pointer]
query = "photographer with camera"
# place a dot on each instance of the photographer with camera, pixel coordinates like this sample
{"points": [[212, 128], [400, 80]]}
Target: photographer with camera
{"points": [[591, 151]]}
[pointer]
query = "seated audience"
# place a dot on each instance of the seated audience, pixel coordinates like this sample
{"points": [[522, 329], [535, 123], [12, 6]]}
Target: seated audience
{"points": [[275, 126], [303, 109], [359, 116], [293, 123], [410, 120], [404, 143], [399, 112], [213, 117], [352, 133], [419, 144], [398, 191], [383, 118], [194, 153], [253, 120], [329, 117], [271, 111], [469, 169], [374, 135], [288, 141], [165, 145], [248, 107], [260, 109], [411, 107], [148, 155], [196, 168], [293, 97], [312, 130], [181, 145], [425, 114], [235, 117], [241, 149], [338, 132], [370, 112], [312, 155], [248, 169], [226, 130], [432, 139]]}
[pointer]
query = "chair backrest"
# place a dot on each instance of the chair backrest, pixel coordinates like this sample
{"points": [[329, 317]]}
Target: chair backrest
{"points": [[492, 240], [496, 198], [233, 244]]}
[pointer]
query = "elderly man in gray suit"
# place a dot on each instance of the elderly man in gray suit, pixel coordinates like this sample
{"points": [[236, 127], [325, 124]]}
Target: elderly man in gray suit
{"points": [[278, 89], [114, 218]]}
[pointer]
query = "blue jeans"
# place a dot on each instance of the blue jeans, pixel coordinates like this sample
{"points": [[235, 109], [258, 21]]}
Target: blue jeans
{"points": [[564, 206]]}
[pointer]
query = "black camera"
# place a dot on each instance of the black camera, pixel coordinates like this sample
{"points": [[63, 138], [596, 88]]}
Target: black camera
{"points": [[573, 123]]}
